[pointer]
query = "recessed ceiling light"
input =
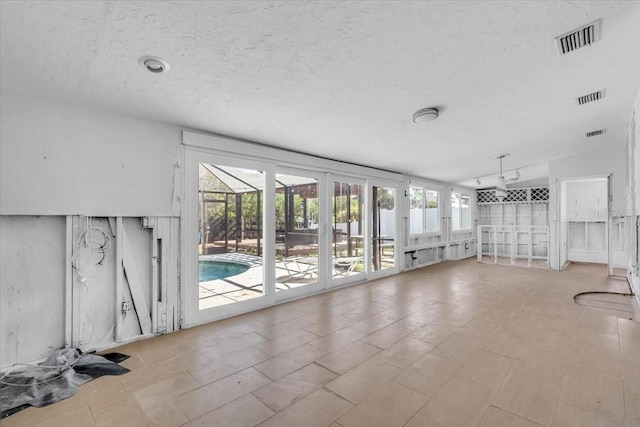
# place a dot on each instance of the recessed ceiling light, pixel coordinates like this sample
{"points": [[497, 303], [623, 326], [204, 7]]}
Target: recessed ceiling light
{"points": [[154, 64], [425, 115]]}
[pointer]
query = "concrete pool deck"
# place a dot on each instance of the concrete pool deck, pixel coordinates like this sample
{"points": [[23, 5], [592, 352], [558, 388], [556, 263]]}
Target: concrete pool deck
{"points": [[247, 285]]}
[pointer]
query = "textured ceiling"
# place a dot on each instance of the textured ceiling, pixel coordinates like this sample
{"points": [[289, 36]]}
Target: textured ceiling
{"points": [[342, 79]]}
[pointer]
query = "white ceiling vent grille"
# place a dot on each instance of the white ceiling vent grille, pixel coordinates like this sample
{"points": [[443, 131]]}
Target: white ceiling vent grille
{"points": [[580, 37], [596, 133], [595, 96]]}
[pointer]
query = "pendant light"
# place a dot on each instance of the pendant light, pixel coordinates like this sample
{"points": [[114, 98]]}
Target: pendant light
{"points": [[501, 185]]}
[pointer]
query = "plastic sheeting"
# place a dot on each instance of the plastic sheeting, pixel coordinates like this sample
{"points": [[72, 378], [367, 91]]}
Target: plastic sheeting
{"points": [[55, 379]]}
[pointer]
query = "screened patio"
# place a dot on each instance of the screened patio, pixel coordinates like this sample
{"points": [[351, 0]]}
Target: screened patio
{"points": [[231, 203]]}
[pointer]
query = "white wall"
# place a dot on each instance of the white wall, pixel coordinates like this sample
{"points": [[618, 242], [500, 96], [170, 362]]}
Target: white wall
{"points": [[58, 158], [635, 174], [32, 293], [634, 139], [633, 197], [61, 159], [608, 159]]}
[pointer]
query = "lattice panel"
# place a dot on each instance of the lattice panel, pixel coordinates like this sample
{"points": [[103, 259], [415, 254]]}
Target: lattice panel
{"points": [[515, 195], [485, 197], [539, 194]]}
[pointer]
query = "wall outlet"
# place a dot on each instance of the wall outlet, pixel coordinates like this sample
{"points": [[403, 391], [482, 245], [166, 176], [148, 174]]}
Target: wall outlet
{"points": [[127, 306]]}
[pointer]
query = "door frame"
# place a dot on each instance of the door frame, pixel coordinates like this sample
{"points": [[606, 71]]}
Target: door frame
{"points": [[398, 238], [323, 277], [334, 282], [562, 231], [192, 315], [209, 148]]}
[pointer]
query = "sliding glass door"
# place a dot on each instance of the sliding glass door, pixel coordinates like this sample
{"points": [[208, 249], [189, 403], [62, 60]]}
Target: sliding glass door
{"points": [[255, 233], [384, 229], [297, 224], [224, 261], [230, 247], [348, 229]]}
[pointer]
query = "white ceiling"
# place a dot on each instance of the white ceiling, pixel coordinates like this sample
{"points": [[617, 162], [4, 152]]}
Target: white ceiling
{"points": [[342, 79]]}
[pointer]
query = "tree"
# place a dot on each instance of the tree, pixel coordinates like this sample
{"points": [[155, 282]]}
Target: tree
{"points": [[417, 198], [386, 198]]}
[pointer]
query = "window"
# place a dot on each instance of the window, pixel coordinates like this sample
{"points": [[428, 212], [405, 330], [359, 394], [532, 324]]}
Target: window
{"points": [[424, 214], [460, 212]]}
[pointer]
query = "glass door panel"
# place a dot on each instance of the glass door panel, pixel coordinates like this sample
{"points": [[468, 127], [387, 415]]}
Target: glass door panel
{"points": [[231, 235], [383, 233], [348, 229], [296, 248]]}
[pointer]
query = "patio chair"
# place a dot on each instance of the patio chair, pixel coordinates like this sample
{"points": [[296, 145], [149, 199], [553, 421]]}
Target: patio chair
{"points": [[345, 266], [300, 267]]}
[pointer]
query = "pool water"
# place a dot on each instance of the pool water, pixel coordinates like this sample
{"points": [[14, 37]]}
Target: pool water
{"points": [[212, 270]]}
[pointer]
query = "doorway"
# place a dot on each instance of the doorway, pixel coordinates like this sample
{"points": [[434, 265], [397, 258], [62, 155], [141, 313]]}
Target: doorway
{"points": [[586, 222]]}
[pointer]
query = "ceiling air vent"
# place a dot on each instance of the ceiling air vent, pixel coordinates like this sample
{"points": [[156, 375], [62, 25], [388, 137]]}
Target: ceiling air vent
{"points": [[580, 37], [596, 132], [595, 96]]}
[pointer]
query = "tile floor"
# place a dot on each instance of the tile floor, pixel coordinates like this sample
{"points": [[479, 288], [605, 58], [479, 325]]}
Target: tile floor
{"points": [[455, 344]]}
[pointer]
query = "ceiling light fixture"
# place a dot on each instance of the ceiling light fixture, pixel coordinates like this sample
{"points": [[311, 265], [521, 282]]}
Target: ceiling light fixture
{"points": [[154, 64], [425, 115], [501, 185]]}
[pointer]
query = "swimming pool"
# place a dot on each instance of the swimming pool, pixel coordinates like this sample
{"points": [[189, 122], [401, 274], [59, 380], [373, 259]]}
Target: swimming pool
{"points": [[212, 270]]}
